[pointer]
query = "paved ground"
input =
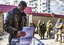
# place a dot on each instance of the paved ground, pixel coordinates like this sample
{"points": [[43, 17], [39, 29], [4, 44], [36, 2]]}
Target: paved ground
{"points": [[4, 41], [49, 41]]}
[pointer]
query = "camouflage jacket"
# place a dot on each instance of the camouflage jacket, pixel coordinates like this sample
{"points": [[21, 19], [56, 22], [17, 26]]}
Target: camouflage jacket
{"points": [[15, 20]]}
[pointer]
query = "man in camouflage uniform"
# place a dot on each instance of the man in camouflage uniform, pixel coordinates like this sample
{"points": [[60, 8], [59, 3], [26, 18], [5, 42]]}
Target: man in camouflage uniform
{"points": [[42, 29], [38, 27], [15, 20], [48, 29]]}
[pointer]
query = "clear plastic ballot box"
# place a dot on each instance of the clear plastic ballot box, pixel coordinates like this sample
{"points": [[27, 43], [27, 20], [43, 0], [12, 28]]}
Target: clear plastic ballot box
{"points": [[28, 39], [34, 41]]}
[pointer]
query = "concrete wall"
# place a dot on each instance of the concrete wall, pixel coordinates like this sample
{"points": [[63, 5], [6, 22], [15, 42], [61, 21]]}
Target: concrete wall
{"points": [[1, 23], [53, 19]]}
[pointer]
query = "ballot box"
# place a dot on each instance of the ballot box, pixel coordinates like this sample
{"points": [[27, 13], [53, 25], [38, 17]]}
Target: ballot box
{"points": [[34, 41], [29, 39]]}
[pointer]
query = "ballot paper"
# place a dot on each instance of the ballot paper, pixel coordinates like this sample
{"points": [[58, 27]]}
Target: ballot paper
{"points": [[28, 37]]}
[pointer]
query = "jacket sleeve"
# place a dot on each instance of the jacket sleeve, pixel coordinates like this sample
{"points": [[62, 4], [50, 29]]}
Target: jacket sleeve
{"points": [[8, 24], [26, 19]]}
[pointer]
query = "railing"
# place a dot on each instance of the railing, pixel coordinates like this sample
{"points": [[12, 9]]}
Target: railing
{"points": [[36, 41]]}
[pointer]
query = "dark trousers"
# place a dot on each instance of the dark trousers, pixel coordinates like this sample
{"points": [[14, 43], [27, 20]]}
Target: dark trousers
{"points": [[10, 40], [42, 33]]}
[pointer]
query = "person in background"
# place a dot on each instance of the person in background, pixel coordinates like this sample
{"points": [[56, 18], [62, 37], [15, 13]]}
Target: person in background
{"points": [[38, 27], [15, 20], [42, 29], [32, 25], [58, 30], [48, 29]]}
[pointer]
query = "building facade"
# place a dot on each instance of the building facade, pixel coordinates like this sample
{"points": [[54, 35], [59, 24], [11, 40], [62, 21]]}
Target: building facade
{"points": [[33, 5], [40, 6]]}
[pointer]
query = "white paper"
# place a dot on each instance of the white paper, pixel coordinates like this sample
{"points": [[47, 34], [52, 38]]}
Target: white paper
{"points": [[29, 34]]}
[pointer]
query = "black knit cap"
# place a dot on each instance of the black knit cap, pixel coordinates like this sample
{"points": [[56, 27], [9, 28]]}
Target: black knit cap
{"points": [[23, 3]]}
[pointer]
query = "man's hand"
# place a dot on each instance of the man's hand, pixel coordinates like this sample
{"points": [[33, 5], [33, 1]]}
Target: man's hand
{"points": [[21, 34]]}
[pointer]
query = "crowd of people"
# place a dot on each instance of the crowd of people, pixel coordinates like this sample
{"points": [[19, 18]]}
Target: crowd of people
{"points": [[43, 28], [48, 30]]}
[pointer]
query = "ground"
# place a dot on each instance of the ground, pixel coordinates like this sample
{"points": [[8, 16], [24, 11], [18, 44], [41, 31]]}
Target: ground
{"points": [[4, 40]]}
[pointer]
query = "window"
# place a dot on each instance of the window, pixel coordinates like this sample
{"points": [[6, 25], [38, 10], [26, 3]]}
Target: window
{"points": [[44, 10], [32, 4], [40, 4], [43, 3], [40, 0], [40, 11], [15, 2], [43, 6], [40, 8], [7, 3]]}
